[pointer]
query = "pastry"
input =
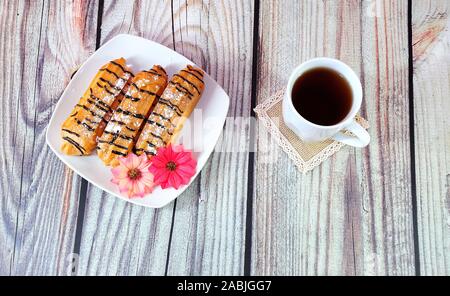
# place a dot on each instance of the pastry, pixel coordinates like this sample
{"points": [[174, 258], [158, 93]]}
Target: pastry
{"points": [[89, 117], [175, 105], [123, 129]]}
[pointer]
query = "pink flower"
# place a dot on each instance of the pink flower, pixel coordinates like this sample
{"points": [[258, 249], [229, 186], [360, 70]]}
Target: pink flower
{"points": [[132, 175], [173, 166]]}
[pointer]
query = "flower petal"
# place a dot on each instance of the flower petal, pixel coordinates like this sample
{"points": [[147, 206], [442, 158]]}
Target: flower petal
{"points": [[124, 184], [153, 169], [119, 172], [162, 152], [147, 180], [186, 172], [161, 177], [185, 167], [188, 166], [135, 160], [144, 162], [182, 157], [178, 148], [183, 179], [175, 180], [140, 188], [170, 154], [123, 161], [156, 170], [159, 162], [165, 185], [192, 163]]}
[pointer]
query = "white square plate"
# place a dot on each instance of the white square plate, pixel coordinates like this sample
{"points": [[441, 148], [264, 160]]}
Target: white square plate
{"points": [[141, 54]]}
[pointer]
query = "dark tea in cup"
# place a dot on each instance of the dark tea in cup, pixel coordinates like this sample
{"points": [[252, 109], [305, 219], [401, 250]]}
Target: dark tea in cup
{"points": [[322, 96]]}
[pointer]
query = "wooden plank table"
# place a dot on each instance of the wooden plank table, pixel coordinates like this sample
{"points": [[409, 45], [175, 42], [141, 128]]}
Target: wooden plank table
{"points": [[382, 210]]}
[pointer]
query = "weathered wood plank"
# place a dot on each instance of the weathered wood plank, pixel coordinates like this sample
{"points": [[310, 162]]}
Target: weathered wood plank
{"points": [[351, 215], [123, 239], [431, 47], [209, 224], [202, 35], [120, 238], [41, 42]]}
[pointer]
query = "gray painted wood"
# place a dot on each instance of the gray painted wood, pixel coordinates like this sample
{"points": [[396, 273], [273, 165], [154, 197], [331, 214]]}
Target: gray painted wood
{"points": [[123, 239], [41, 42], [352, 215], [209, 219], [431, 39], [209, 224], [120, 238]]}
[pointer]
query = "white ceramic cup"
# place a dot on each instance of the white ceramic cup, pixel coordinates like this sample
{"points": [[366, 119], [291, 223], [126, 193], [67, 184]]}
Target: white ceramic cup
{"points": [[311, 132]]}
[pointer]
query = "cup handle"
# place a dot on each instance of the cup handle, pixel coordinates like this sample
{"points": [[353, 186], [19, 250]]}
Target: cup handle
{"points": [[360, 139]]}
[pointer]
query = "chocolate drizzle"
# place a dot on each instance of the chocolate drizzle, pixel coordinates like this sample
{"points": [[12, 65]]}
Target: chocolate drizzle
{"points": [[111, 72], [125, 137], [182, 89], [118, 153], [100, 106], [156, 123], [145, 151], [133, 99], [150, 144], [159, 125], [160, 68], [100, 102], [158, 137], [92, 121], [152, 72], [71, 132], [87, 126], [143, 90], [75, 144], [135, 115], [193, 74], [163, 117], [187, 81], [118, 122], [106, 89], [195, 70], [171, 106], [110, 84], [89, 110], [121, 67], [114, 144]]}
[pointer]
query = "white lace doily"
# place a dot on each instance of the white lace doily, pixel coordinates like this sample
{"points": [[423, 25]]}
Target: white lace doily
{"points": [[306, 156]]}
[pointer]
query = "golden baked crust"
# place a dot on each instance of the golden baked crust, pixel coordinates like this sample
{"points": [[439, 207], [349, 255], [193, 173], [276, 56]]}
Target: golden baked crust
{"points": [[123, 129], [175, 105], [89, 117]]}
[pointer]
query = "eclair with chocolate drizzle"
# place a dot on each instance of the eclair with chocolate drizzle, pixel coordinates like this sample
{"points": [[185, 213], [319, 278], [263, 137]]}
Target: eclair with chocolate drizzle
{"points": [[88, 118], [175, 105], [122, 131]]}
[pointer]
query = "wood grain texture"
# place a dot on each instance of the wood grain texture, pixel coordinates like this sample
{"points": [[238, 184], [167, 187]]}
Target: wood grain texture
{"points": [[431, 47], [123, 239], [352, 215], [209, 224], [119, 238], [41, 42]]}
